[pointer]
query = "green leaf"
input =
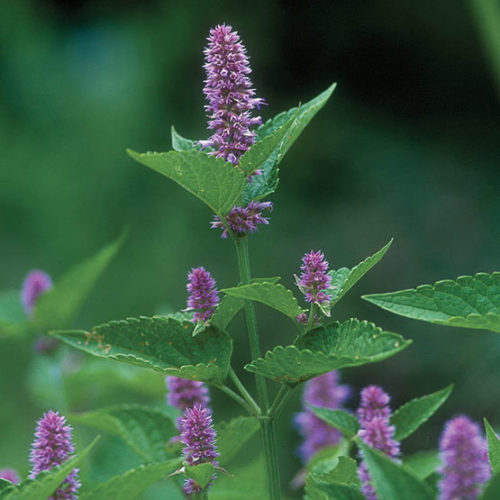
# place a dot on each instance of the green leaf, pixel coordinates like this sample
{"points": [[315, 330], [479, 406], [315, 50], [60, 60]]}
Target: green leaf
{"points": [[468, 302], [409, 417], [265, 184], [232, 435], [318, 489], [327, 348], [4, 484], [47, 482], [391, 480], [345, 422], [264, 155], [180, 143], [344, 279], [58, 307], [13, 320], [201, 474], [146, 430], [327, 458], [346, 471], [133, 483], [492, 489], [493, 447], [227, 309], [271, 294], [423, 463], [215, 182], [163, 344]]}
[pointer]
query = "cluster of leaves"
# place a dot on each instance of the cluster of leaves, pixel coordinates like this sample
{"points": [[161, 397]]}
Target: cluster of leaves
{"points": [[413, 479]]}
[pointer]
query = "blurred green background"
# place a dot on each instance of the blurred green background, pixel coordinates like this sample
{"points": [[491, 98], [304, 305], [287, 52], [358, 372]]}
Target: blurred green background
{"points": [[408, 147]]}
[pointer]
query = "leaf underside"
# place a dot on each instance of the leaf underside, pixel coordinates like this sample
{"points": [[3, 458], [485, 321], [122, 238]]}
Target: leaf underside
{"points": [[327, 348], [345, 422], [161, 343], [468, 302]]}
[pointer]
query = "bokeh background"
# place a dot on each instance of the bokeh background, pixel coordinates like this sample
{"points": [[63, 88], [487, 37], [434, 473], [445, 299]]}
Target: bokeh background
{"points": [[408, 147]]}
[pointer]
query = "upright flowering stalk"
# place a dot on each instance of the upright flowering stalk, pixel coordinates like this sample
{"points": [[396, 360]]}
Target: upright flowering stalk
{"points": [[314, 281], [326, 392], [35, 283], [463, 452], [203, 295], [52, 447], [10, 475], [230, 95], [243, 220], [198, 437], [374, 414]]}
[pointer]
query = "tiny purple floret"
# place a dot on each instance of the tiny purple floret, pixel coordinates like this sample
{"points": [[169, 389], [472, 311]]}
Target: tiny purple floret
{"points": [[203, 295], [35, 283], [230, 95], [324, 391], [198, 437], [314, 279], [53, 446], [374, 415], [243, 220], [463, 452], [10, 475]]}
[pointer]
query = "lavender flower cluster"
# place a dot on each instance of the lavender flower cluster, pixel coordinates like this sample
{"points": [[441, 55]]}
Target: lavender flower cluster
{"points": [[230, 95], [198, 437], [203, 295], [52, 447]]}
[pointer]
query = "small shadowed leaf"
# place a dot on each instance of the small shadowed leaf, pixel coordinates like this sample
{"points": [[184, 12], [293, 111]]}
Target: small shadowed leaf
{"points": [[58, 307], [326, 458], [201, 473], [492, 489], [391, 480], [180, 143], [4, 484], [346, 423], [265, 184], [423, 463], [214, 181], [47, 481], [232, 435], [163, 344], [344, 279], [493, 447], [409, 417], [468, 302], [228, 308], [271, 294], [265, 154], [133, 483], [146, 430], [320, 488], [327, 348]]}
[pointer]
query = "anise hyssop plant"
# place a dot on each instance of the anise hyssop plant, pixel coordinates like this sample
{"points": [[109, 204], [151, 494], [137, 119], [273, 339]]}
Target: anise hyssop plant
{"points": [[234, 172]]}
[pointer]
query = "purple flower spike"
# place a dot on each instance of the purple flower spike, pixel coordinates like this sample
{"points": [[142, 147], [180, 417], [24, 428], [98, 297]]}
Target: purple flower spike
{"points": [[230, 95], [203, 295], [52, 447], [314, 279], [35, 283], [198, 437], [184, 393], [326, 392], [10, 475], [243, 220], [463, 452], [374, 415]]}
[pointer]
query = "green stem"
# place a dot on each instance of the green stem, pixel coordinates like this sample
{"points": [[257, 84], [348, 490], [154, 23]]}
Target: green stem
{"points": [[251, 320], [267, 424], [310, 321], [268, 432], [243, 391], [236, 397], [280, 401]]}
